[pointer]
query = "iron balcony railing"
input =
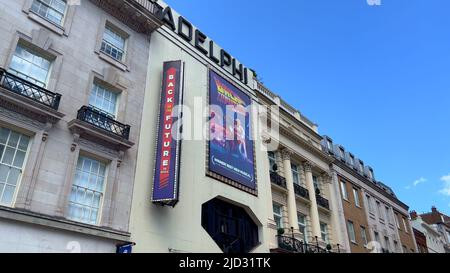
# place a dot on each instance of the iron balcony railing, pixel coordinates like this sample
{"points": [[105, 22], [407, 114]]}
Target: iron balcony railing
{"points": [[30, 90], [300, 191], [277, 179], [321, 201], [294, 245], [103, 121]]}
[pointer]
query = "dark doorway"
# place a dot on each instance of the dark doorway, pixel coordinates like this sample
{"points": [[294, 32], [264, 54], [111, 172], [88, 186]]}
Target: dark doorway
{"points": [[230, 226]]}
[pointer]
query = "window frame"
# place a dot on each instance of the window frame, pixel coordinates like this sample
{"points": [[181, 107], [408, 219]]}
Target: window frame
{"points": [[31, 49], [274, 159], [121, 34], [106, 185], [343, 186], [276, 215], [23, 169], [303, 225], [295, 174], [64, 13], [351, 232], [356, 197], [97, 83], [324, 233], [363, 234]]}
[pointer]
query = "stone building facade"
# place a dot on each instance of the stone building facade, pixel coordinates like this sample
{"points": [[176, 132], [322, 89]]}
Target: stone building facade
{"points": [[72, 83]]}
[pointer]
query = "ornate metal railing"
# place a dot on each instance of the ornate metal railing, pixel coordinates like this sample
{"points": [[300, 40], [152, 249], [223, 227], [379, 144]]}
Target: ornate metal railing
{"points": [[103, 121], [277, 179], [321, 201], [300, 191], [30, 90], [296, 246]]}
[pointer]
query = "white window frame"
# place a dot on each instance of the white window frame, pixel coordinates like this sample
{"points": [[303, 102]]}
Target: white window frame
{"points": [[380, 213], [344, 189], [370, 204], [272, 159], [324, 233], [303, 225], [50, 7], [27, 75], [21, 168], [117, 32], [295, 174], [278, 215], [99, 85], [103, 192], [351, 232], [364, 238], [404, 224], [356, 197]]}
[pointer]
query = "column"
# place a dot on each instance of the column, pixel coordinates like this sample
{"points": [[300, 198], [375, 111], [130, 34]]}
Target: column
{"points": [[291, 204], [338, 213], [334, 207], [314, 210]]}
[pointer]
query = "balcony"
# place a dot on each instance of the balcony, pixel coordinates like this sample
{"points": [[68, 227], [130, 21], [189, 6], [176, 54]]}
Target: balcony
{"points": [[300, 191], [29, 99], [140, 15], [292, 245], [321, 201], [277, 179], [102, 128]]}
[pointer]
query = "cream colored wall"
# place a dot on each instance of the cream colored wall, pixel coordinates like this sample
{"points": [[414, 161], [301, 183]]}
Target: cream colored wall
{"points": [[158, 229]]}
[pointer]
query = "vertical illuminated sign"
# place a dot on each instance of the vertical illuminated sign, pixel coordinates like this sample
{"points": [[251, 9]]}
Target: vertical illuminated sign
{"points": [[166, 177]]}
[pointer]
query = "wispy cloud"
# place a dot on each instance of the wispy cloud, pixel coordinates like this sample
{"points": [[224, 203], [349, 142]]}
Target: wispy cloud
{"points": [[416, 183], [446, 189]]}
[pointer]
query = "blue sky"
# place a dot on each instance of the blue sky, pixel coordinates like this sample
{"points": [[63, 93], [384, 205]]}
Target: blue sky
{"points": [[375, 78]]}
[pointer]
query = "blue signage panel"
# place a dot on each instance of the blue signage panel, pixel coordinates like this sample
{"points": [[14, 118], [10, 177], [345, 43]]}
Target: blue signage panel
{"points": [[231, 149], [166, 177]]}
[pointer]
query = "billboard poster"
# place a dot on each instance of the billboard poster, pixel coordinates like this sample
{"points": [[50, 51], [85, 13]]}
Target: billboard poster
{"points": [[166, 178], [231, 147]]}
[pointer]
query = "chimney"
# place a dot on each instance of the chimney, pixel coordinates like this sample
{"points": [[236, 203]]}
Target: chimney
{"points": [[413, 215], [434, 209]]}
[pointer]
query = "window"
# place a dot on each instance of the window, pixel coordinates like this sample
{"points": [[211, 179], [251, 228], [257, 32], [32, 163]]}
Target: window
{"points": [[272, 160], [52, 10], [87, 191], [369, 203], [377, 237], [351, 231], [396, 221], [371, 176], [405, 250], [278, 215], [113, 44], [104, 100], [396, 246], [344, 190], [405, 225], [324, 232], [13, 150], [302, 226], [352, 160], [356, 195], [388, 215], [342, 153], [295, 174], [329, 145], [31, 66], [363, 235], [361, 166], [316, 183], [380, 213], [386, 242]]}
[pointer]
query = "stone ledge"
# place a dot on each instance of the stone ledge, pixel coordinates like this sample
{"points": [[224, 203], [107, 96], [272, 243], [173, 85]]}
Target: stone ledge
{"points": [[62, 224]]}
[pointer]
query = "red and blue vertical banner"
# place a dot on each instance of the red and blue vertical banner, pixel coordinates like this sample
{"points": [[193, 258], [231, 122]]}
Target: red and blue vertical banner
{"points": [[231, 147], [166, 178]]}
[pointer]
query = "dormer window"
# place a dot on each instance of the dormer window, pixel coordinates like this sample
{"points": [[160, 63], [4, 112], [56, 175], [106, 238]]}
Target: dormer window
{"points": [[361, 166], [352, 160], [342, 152]]}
